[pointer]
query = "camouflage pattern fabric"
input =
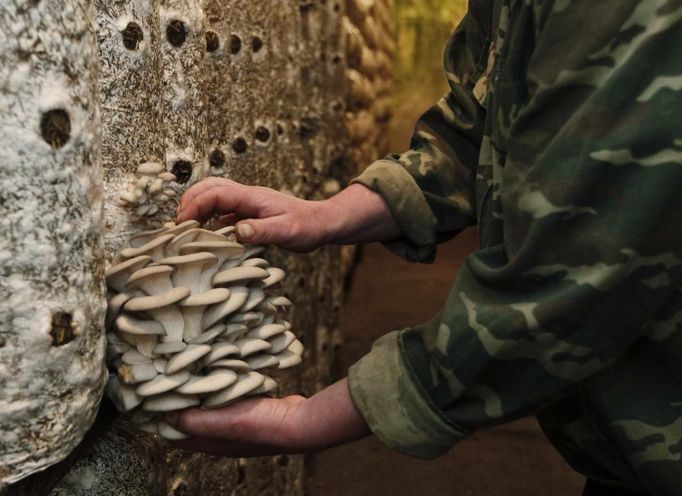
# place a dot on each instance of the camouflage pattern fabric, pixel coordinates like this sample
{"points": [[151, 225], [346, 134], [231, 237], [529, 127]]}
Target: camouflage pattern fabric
{"points": [[562, 139]]}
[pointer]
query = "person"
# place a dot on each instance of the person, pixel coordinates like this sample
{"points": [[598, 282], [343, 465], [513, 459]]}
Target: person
{"points": [[561, 138]]}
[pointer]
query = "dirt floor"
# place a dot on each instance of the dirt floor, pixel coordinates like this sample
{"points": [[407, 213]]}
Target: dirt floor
{"points": [[513, 460]]}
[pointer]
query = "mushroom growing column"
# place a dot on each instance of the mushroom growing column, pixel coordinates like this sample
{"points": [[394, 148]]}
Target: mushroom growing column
{"points": [[51, 268]]}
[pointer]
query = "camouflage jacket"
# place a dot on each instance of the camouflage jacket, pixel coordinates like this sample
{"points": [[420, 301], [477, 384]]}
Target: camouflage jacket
{"points": [[562, 139]]}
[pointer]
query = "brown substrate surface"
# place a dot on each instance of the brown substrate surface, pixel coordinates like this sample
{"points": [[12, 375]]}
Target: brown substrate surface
{"points": [[511, 460]]}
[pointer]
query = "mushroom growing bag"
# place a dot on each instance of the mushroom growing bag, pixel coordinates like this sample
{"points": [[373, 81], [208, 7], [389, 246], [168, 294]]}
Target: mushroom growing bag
{"points": [[192, 321]]}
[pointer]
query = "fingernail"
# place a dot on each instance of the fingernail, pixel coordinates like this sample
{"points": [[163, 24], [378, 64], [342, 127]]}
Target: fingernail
{"points": [[245, 231], [171, 418]]}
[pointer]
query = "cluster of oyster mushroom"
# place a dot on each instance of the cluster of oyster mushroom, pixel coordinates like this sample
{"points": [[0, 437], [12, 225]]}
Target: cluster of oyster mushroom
{"points": [[153, 187], [192, 321]]}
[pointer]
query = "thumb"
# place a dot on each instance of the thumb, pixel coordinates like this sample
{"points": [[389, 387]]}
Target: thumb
{"points": [[260, 231]]}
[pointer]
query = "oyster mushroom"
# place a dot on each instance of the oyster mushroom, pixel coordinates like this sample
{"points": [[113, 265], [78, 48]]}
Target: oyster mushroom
{"points": [[244, 385], [153, 280], [161, 307], [193, 308], [192, 315], [188, 269], [117, 275], [154, 248]]}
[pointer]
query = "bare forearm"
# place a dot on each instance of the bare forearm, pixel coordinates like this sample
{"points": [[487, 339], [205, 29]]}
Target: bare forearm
{"points": [[357, 215]]}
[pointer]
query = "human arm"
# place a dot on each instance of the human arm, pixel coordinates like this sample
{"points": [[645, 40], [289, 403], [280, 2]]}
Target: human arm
{"points": [[589, 260], [265, 426], [265, 216]]}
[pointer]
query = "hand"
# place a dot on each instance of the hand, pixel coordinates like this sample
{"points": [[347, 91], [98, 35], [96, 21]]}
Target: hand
{"points": [[265, 426], [274, 217], [265, 216]]}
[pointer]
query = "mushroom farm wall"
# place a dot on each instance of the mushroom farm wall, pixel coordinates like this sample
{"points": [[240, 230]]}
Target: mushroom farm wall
{"points": [[290, 94]]}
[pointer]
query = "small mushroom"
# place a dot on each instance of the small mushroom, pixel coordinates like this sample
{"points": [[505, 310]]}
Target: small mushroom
{"points": [[168, 432], [215, 313], [188, 269], [128, 323], [193, 308], [261, 361], [224, 250], [134, 357], [117, 275], [281, 342], [150, 169], [267, 331], [239, 275], [154, 248], [191, 354], [220, 350], [133, 374], [269, 386], [209, 335], [169, 402], [115, 303], [235, 364], [244, 385], [144, 237], [214, 381], [163, 383], [161, 307], [288, 359], [168, 348], [123, 395], [249, 346], [153, 280], [256, 262]]}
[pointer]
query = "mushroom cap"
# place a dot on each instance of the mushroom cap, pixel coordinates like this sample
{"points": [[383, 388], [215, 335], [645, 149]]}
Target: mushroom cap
{"points": [[163, 383], [232, 364], [226, 231], [215, 380], [267, 331], [256, 297], [114, 307], [168, 348], [168, 432], [144, 303], [221, 349], [281, 341], [183, 226], [189, 355], [256, 262], [187, 236], [269, 385], [150, 168], [123, 395], [206, 235], [288, 359], [262, 361], [249, 346], [169, 402], [117, 275], [248, 318], [276, 276], [133, 374], [153, 280], [244, 385], [223, 249], [210, 297], [153, 247], [206, 257], [143, 237], [296, 347], [128, 323], [209, 335], [239, 275], [160, 364], [215, 313], [133, 357]]}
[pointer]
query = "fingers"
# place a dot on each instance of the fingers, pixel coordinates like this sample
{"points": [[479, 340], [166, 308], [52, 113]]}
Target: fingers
{"points": [[217, 197], [270, 231]]}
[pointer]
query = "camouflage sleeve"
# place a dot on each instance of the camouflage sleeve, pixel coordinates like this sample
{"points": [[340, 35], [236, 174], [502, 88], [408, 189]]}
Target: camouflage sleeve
{"points": [[429, 187], [589, 204]]}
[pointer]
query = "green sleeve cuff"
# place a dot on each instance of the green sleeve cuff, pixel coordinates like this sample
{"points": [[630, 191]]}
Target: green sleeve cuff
{"points": [[408, 206], [394, 405]]}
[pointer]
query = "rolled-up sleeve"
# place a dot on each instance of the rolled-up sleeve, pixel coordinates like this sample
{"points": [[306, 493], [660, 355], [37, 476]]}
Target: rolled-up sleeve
{"points": [[429, 188]]}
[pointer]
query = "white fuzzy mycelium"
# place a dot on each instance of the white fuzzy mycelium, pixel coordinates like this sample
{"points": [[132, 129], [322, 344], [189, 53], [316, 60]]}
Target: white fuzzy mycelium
{"points": [[192, 321]]}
